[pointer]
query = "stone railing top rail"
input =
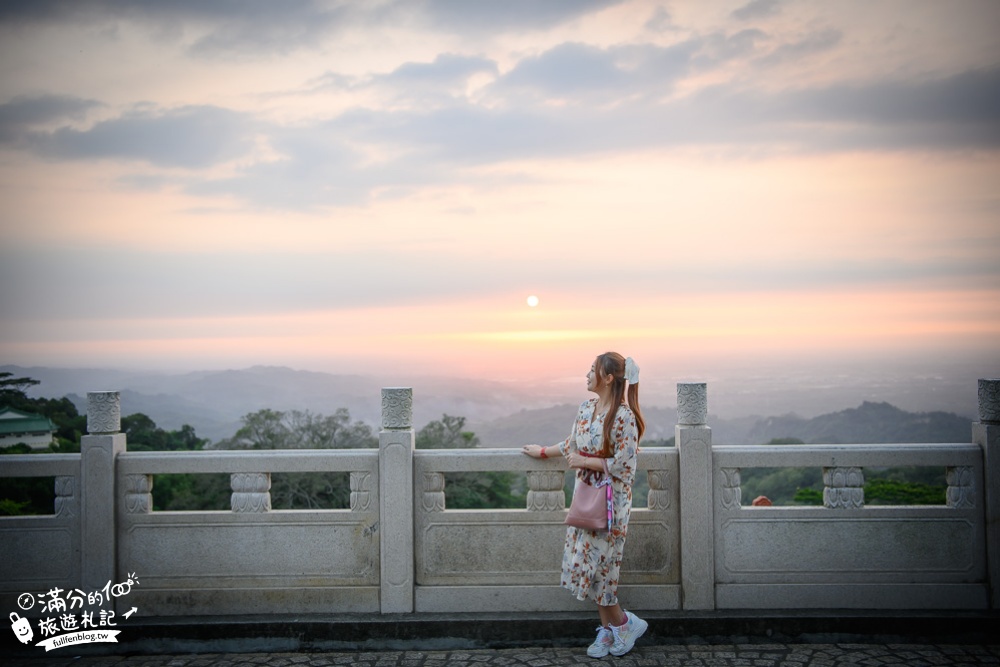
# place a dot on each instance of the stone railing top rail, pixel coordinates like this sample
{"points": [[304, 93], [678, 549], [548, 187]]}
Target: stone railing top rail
{"points": [[39, 465], [475, 460], [256, 460], [799, 456]]}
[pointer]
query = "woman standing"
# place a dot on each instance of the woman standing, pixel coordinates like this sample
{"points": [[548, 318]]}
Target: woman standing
{"points": [[604, 441]]}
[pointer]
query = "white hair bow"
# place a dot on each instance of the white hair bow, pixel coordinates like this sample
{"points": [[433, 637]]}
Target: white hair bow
{"points": [[631, 371]]}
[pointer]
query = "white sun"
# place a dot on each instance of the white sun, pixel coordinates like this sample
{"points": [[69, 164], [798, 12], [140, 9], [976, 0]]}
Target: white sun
{"points": [[532, 300]]}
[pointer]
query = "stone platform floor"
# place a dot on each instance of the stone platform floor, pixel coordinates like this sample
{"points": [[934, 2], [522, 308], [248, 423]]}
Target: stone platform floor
{"points": [[673, 655]]}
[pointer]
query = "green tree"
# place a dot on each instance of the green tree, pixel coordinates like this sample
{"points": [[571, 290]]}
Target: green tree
{"points": [[144, 435], [275, 429], [783, 486], [446, 433], [471, 490], [881, 491], [264, 429], [12, 388], [69, 423], [25, 495], [36, 495]]}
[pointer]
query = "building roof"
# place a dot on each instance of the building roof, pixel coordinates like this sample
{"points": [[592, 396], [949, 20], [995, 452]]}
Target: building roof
{"points": [[13, 422]]}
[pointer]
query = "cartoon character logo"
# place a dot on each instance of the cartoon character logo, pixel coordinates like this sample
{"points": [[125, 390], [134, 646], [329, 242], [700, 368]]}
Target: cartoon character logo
{"points": [[21, 628]]}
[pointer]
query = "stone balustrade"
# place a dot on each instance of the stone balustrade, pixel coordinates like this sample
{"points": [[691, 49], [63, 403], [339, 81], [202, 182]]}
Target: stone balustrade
{"points": [[693, 542]]}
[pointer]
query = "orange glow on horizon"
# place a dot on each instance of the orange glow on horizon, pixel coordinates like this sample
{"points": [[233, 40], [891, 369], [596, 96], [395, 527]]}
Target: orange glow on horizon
{"points": [[496, 340]]}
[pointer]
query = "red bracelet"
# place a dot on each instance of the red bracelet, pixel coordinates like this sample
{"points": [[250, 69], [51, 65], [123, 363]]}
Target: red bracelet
{"points": [[542, 454]]}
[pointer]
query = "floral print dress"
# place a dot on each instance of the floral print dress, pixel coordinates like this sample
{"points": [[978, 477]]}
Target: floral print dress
{"points": [[591, 559]]}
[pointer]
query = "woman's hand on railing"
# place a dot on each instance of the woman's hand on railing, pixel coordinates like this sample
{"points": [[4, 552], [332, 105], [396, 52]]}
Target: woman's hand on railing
{"points": [[577, 460], [534, 451]]}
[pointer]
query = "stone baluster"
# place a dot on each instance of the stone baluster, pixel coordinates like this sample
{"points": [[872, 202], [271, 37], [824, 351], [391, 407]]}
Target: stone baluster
{"points": [[251, 491], [731, 492], [961, 487], [98, 451], [396, 498], [361, 492], [844, 488], [545, 490], [432, 496], [658, 497], [65, 500], [986, 434], [138, 494], [694, 444]]}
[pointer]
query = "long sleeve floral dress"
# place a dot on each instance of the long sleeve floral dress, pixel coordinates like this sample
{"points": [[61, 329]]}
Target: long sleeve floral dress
{"points": [[592, 559]]}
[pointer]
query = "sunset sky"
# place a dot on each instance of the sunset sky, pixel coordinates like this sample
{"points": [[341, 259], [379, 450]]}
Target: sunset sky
{"points": [[380, 186]]}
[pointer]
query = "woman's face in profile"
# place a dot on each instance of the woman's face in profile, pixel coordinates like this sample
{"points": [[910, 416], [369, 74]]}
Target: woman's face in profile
{"points": [[592, 379]]}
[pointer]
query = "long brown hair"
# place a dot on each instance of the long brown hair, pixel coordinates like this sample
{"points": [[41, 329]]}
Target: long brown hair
{"points": [[613, 364]]}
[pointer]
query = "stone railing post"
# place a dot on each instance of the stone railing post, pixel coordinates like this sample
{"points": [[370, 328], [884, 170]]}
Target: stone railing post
{"points": [[986, 434], [98, 452], [395, 484], [694, 445]]}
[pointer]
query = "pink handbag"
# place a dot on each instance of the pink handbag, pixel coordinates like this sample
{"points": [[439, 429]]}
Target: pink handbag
{"points": [[592, 507]]}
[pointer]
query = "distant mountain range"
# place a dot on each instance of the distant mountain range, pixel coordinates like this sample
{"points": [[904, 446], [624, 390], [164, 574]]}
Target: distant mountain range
{"points": [[501, 414], [871, 423], [214, 401]]}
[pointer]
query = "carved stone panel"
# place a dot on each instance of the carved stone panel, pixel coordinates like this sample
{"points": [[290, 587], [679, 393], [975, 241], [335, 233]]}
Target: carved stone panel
{"points": [[659, 495], [251, 491], [989, 401], [731, 492], [65, 500], [103, 412], [397, 408], [692, 403], [961, 487], [138, 494], [545, 490], [844, 488], [361, 492], [432, 498]]}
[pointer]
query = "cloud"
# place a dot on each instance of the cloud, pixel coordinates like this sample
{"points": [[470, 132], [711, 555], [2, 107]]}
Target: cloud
{"points": [[260, 28], [971, 97], [315, 167], [660, 21], [447, 69], [951, 113], [616, 99], [816, 42], [719, 48], [463, 16], [22, 114], [193, 137], [216, 29], [574, 70], [582, 73], [757, 9], [439, 82]]}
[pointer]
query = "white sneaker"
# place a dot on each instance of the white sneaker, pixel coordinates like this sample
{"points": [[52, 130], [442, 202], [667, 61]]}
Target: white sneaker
{"points": [[602, 645], [626, 635]]}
